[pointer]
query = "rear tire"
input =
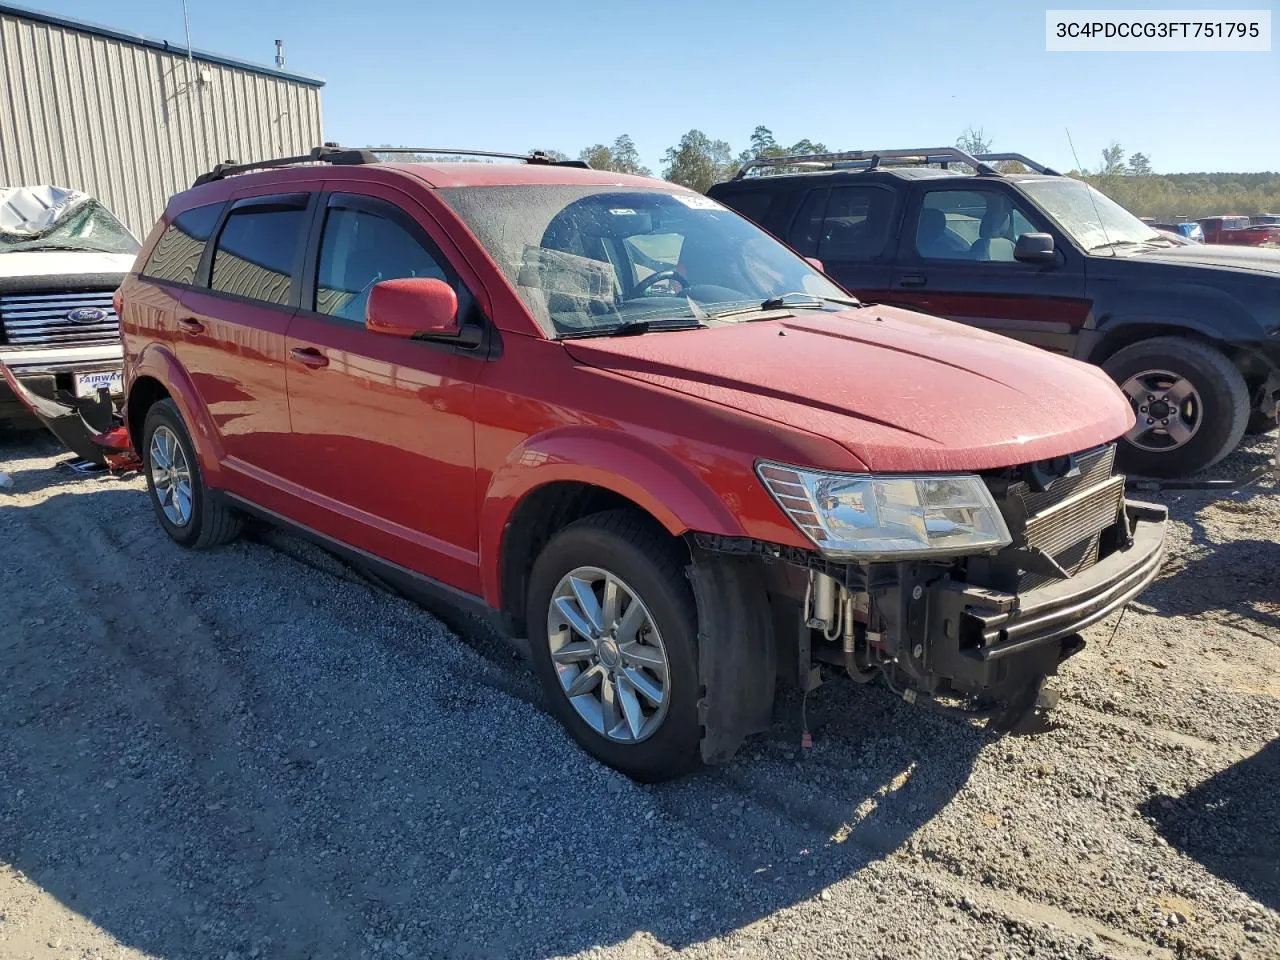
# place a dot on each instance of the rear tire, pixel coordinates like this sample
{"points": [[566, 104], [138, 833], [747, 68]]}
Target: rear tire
{"points": [[649, 743], [1220, 406], [187, 510]]}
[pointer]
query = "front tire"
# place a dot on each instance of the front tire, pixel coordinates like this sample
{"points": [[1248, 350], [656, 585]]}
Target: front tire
{"points": [[613, 637], [1191, 404], [185, 507]]}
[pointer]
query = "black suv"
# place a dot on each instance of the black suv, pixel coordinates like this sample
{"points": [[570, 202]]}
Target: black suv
{"points": [[1191, 333]]}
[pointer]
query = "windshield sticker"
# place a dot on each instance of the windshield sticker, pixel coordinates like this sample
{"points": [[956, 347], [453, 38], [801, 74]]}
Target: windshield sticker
{"points": [[622, 212], [695, 201]]}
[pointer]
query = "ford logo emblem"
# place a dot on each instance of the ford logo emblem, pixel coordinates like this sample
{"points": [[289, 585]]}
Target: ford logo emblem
{"points": [[87, 315]]}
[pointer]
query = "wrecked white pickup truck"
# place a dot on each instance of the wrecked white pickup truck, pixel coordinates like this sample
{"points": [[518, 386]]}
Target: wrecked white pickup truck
{"points": [[62, 256]]}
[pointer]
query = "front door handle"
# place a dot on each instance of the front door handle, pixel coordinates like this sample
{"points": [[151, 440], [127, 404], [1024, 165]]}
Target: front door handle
{"points": [[190, 325], [911, 280], [309, 357]]}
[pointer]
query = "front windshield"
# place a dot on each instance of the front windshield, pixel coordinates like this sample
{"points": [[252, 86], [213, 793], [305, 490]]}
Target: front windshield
{"points": [[89, 227], [592, 259], [1091, 218]]}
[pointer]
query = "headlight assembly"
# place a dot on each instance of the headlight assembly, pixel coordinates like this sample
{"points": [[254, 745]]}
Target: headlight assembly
{"points": [[867, 517]]}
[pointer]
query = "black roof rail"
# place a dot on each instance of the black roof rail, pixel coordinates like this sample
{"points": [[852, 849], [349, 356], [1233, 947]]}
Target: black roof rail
{"points": [[536, 157], [1019, 158], [356, 156], [870, 159]]}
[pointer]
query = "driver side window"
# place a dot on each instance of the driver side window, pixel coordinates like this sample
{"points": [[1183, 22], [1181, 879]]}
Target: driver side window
{"points": [[358, 249], [978, 225]]}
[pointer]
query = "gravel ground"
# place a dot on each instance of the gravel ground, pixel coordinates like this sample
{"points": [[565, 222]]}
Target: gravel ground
{"points": [[254, 753]]}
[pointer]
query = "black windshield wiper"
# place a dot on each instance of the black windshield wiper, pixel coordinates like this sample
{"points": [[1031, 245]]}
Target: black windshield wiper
{"points": [[1117, 243], [787, 301], [632, 328]]}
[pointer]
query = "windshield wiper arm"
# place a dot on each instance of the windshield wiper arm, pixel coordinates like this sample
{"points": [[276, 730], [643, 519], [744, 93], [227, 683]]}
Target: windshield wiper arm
{"points": [[787, 301], [631, 328]]}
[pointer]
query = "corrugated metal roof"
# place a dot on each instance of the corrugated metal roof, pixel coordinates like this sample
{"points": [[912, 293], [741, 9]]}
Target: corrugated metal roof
{"points": [[178, 49]]}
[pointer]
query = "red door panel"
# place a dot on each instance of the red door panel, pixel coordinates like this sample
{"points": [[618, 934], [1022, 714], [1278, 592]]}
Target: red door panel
{"points": [[383, 451], [234, 353]]}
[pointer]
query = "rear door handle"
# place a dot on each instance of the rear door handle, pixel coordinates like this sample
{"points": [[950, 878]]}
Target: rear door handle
{"points": [[309, 357], [190, 325], [911, 280]]}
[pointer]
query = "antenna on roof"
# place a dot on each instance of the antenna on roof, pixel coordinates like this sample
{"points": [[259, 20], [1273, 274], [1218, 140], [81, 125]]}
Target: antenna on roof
{"points": [[279, 54]]}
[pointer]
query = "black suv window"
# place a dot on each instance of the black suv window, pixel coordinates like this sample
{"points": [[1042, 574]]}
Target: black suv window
{"points": [[856, 224], [807, 226], [978, 225], [256, 252], [752, 204], [360, 248], [844, 223], [177, 253]]}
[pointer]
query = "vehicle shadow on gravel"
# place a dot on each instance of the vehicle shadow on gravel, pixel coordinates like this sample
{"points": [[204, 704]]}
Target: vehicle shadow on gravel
{"points": [[1231, 824], [251, 753], [1237, 576]]}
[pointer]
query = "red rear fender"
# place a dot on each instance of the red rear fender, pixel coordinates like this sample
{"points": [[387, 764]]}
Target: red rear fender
{"points": [[158, 362]]}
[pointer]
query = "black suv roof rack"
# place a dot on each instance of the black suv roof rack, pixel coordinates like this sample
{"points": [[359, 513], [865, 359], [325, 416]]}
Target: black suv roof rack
{"points": [[356, 156], [871, 159]]}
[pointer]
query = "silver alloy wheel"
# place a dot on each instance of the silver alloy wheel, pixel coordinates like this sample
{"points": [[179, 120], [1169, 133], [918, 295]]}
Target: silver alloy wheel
{"points": [[170, 476], [1168, 409], [608, 655]]}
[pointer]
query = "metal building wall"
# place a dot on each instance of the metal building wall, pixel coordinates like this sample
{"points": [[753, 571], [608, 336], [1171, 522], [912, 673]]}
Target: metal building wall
{"points": [[132, 124]]}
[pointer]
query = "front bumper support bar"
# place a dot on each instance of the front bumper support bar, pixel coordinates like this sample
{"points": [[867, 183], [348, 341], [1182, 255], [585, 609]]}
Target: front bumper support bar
{"points": [[87, 427]]}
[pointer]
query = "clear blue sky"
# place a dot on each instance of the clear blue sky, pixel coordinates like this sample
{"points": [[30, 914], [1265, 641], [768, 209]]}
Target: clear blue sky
{"points": [[512, 74]]}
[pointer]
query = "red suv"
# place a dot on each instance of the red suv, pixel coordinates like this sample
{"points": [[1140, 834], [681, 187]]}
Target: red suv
{"points": [[635, 429]]}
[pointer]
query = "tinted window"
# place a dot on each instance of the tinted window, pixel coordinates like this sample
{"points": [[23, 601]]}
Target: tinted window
{"points": [[256, 251], [969, 225], [807, 227], [752, 204], [359, 249], [856, 224], [177, 253]]}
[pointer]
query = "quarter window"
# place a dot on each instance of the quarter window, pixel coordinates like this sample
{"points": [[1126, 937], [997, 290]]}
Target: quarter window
{"points": [[256, 253], [360, 249], [177, 253]]}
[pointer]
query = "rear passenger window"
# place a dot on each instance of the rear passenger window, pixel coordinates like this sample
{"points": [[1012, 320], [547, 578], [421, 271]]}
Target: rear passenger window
{"points": [[360, 249], [807, 227], [256, 253], [177, 253], [856, 224]]}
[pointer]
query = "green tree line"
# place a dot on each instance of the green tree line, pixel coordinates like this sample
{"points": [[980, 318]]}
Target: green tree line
{"points": [[697, 161]]}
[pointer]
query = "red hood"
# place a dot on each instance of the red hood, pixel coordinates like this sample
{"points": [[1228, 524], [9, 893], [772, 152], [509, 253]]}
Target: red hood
{"points": [[899, 390]]}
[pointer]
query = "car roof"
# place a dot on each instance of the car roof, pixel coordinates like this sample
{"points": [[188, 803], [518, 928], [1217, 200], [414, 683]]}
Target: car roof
{"points": [[472, 174], [877, 173], [431, 175]]}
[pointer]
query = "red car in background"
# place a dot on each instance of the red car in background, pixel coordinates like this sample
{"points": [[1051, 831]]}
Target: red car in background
{"points": [[1240, 231]]}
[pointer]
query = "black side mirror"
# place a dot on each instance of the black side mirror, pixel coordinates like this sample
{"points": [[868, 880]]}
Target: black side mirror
{"points": [[1034, 248]]}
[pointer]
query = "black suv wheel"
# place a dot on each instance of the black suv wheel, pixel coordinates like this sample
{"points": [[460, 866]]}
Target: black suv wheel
{"points": [[1190, 401]]}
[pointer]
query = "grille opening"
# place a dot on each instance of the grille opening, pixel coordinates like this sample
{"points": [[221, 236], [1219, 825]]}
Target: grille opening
{"points": [[1067, 518], [46, 319]]}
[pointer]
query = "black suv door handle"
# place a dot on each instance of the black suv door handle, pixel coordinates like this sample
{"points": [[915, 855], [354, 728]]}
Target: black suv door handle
{"points": [[911, 280], [190, 325]]}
